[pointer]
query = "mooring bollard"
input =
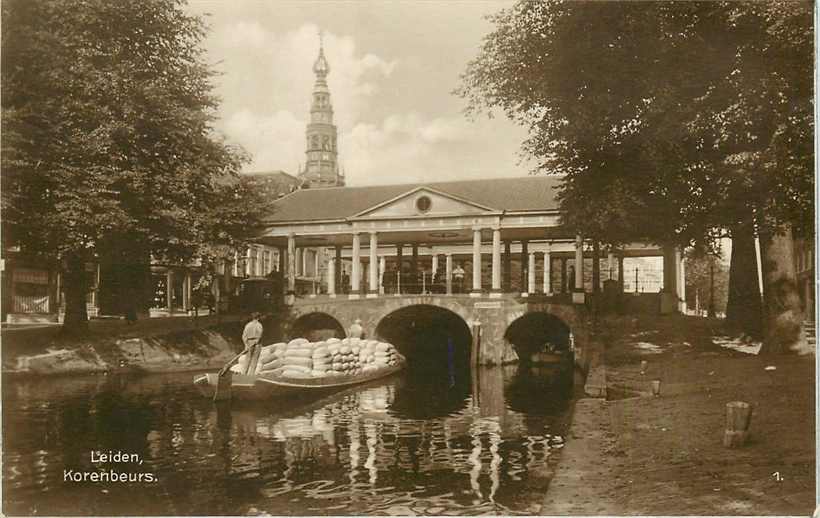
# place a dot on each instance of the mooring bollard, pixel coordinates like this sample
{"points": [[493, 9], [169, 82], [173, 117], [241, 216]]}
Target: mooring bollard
{"points": [[644, 364], [656, 388], [738, 418]]}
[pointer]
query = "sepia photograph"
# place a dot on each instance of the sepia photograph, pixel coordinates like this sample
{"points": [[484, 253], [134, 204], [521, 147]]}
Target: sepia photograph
{"points": [[408, 258]]}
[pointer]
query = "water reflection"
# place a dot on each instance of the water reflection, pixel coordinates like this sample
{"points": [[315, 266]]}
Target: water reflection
{"points": [[406, 445]]}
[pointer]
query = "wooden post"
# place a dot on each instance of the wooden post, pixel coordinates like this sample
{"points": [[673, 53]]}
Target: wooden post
{"points": [[738, 418]]}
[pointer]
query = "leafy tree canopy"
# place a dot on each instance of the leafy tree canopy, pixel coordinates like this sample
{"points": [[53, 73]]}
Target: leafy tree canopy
{"points": [[107, 131], [669, 119]]}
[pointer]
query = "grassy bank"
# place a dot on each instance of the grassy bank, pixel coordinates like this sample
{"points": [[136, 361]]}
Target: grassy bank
{"points": [[151, 345], [638, 454]]}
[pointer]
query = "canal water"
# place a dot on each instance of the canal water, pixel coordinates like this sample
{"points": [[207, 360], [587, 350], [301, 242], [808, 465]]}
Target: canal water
{"points": [[417, 443]]}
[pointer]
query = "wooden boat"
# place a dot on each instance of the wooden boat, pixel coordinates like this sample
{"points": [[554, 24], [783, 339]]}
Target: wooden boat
{"points": [[263, 386]]}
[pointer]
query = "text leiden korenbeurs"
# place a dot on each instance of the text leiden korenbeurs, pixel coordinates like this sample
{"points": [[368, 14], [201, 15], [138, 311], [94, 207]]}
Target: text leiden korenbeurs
{"points": [[110, 474]]}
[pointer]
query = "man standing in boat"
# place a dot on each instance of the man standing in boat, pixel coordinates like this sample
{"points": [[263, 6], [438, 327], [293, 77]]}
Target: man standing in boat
{"points": [[251, 337]]}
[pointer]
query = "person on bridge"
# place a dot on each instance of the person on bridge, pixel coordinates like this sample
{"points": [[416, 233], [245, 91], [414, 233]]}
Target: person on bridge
{"points": [[356, 330], [458, 278]]}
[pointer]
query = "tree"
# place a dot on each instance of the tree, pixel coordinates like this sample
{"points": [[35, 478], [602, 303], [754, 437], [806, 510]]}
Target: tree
{"points": [[683, 108], [707, 281], [107, 144]]}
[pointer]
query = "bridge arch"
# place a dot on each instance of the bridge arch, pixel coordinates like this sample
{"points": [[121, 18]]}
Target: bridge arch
{"points": [[317, 325], [431, 337], [531, 333]]}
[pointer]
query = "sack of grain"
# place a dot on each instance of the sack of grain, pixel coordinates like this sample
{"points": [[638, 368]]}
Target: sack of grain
{"points": [[296, 342], [273, 364], [354, 341], [382, 347], [320, 350], [301, 352], [272, 372], [269, 352], [344, 350], [298, 360]]}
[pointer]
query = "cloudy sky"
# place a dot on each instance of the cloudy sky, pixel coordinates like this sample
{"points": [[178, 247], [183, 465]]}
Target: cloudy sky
{"points": [[393, 67]]}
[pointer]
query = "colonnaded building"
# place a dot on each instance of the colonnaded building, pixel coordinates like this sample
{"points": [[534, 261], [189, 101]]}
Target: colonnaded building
{"points": [[482, 237]]}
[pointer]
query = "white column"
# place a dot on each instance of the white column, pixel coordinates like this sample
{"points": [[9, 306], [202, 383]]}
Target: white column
{"points": [[291, 263], [681, 280], [189, 291], [382, 268], [547, 272], [531, 274], [356, 270], [448, 270], [331, 277], [610, 265], [248, 271], [305, 261], [316, 267], [373, 288], [578, 294], [476, 291], [496, 288], [434, 268], [169, 290]]}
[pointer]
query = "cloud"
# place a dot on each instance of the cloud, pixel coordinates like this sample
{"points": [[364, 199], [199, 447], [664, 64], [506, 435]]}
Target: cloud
{"points": [[272, 72], [410, 148], [266, 101]]}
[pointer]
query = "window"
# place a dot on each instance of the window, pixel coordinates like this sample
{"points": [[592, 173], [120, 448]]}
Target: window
{"points": [[424, 203]]}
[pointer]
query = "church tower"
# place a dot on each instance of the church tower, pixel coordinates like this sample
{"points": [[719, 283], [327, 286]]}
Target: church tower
{"points": [[321, 164]]}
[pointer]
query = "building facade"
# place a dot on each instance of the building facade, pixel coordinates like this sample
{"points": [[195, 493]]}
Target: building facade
{"points": [[482, 237]]}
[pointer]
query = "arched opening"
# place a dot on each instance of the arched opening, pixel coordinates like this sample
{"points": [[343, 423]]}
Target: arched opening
{"points": [[436, 343], [536, 333], [430, 337], [316, 327]]}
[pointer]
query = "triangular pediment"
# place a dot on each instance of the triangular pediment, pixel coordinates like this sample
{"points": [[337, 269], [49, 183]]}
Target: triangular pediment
{"points": [[424, 202]]}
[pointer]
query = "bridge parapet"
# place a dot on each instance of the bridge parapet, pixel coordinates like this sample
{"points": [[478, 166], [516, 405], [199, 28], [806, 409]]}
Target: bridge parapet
{"points": [[493, 315]]}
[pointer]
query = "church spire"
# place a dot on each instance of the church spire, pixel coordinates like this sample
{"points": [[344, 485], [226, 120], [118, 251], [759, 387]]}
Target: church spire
{"points": [[321, 166]]}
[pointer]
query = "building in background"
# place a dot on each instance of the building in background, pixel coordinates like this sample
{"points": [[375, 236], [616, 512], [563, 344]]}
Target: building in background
{"points": [[322, 153]]}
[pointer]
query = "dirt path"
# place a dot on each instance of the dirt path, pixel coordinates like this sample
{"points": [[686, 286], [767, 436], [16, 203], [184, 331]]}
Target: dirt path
{"points": [[664, 455]]}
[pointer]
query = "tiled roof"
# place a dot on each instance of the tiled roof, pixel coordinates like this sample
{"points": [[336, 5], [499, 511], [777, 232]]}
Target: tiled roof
{"points": [[526, 193]]}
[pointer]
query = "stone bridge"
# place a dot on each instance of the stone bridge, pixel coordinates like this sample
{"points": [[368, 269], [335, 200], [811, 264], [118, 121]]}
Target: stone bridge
{"points": [[491, 318]]}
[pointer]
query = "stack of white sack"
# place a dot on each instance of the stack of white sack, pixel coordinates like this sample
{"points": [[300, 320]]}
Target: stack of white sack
{"points": [[271, 357], [383, 355], [345, 360], [300, 358], [321, 360]]}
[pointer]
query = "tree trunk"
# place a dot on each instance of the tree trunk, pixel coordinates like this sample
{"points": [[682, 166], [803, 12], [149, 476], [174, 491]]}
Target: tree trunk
{"points": [[784, 316], [744, 310], [596, 266], [76, 287]]}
